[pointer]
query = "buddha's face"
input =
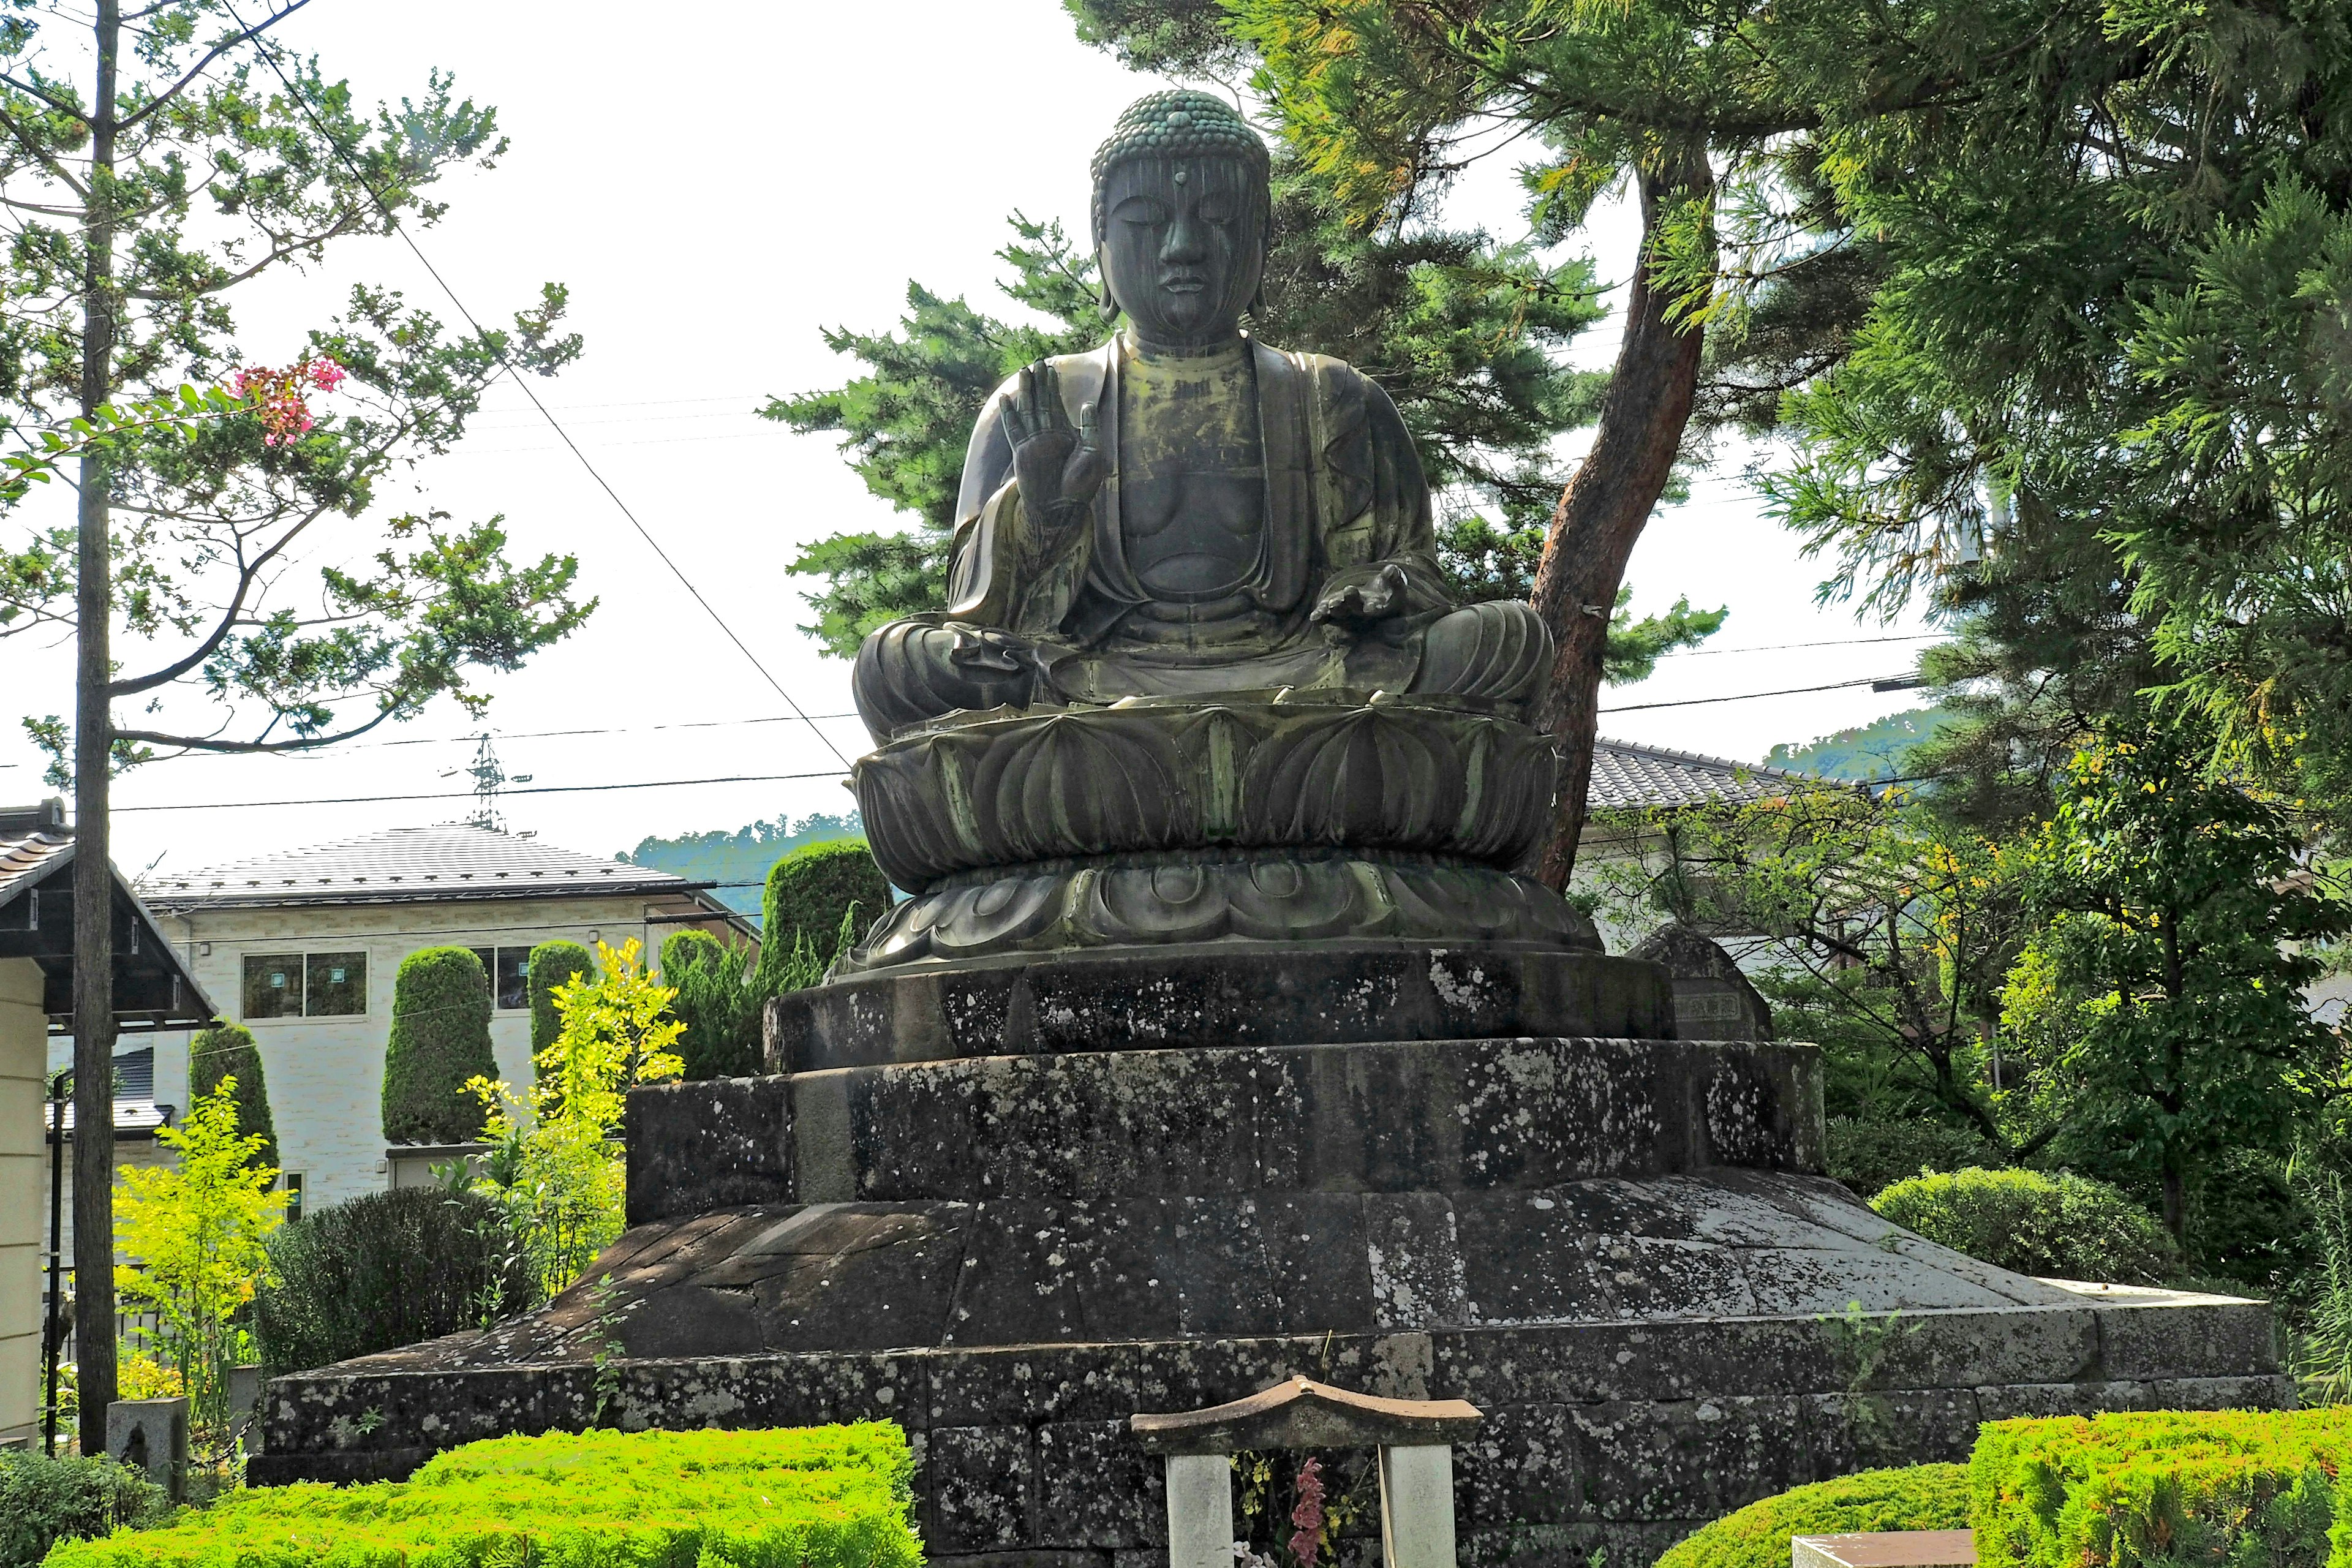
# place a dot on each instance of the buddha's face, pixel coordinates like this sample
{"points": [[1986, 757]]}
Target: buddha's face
{"points": [[1182, 244]]}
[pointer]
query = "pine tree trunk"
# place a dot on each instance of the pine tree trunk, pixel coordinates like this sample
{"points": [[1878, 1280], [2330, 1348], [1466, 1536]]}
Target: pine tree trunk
{"points": [[1602, 514], [93, 1175]]}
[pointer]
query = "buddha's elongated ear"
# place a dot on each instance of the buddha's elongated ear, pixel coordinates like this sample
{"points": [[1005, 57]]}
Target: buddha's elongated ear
{"points": [[1103, 301]]}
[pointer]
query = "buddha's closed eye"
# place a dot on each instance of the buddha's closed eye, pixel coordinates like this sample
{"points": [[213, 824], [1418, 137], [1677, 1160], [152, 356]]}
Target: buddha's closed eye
{"points": [[1141, 210]]}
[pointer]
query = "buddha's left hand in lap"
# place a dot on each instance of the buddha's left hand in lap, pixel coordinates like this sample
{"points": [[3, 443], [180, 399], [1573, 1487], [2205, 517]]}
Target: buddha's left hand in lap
{"points": [[1357, 606]]}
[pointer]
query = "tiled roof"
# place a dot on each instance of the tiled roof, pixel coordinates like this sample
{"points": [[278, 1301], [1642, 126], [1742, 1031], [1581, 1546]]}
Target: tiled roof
{"points": [[406, 864], [34, 843], [1626, 777]]}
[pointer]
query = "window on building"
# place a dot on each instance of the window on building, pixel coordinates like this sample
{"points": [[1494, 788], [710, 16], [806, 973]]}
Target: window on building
{"points": [[509, 971], [300, 985], [337, 984], [292, 1182], [273, 986]]}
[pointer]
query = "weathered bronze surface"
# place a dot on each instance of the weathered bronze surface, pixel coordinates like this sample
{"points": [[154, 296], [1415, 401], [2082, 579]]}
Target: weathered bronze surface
{"points": [[1186, 510]]}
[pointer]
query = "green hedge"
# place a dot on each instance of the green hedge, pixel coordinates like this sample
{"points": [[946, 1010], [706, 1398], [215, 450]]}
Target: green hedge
{"points": [[45, 1501], [226, 1050], [2247, 1488], [809, 892], [716, 1003], [2066, 1225], [1921, 1497], [830, 1497], [440, 1038], [384, 1270], [552, 964]]}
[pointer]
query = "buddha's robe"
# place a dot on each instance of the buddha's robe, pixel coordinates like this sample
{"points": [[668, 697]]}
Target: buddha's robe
{"points": [[1244, 486]]}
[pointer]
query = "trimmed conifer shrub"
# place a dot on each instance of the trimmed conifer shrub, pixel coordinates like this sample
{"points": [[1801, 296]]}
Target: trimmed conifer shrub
{"points": [[810, 893], [226, 1050], [551, 965], [440, 1038], [821, 1497], [1917, 1496], [385, 1269], [716, 1004]]}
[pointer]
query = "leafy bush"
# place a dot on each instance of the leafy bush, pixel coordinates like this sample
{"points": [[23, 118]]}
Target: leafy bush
{"points": [[552, 964], [828, 1496], [2066, 1225], [716, 1003], [440, 1040], [556, 1167], [225, 1051], [810, 893], [1920, 1496], [385, 1269], [1870, 1156], [45, 1501], [2209, 1486]]}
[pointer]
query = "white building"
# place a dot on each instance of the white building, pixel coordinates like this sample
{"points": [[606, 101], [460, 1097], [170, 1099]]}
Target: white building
{"points": [[302, 947]]}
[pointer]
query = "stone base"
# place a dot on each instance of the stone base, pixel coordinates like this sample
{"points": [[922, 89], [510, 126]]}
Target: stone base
{"points": [[1648, 1355], [1215, 994]]}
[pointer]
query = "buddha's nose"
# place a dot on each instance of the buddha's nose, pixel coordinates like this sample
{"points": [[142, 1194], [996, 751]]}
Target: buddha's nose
{"points": [[1183, 243]]}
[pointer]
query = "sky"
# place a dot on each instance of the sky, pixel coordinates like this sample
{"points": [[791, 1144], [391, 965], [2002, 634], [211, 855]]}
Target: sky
{"points": [[715, 191]]}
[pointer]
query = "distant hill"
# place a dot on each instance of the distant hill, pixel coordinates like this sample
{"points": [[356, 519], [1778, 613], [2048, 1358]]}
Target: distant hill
{"points": [[742, 856], [1873, 752]]}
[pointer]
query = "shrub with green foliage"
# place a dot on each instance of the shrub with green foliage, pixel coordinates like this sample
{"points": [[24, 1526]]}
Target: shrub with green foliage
{"points": [[440, 1039], [385, 1269], [1920, 1496], [2032, 1223], [827, 1497], [1870, 1156], [45, 1501], [225, 1051], [810, 893], [2158, 1485], [552, 964], [715, 1001]]}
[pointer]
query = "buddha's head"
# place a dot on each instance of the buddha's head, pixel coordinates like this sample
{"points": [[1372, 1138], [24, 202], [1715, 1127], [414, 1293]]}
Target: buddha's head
{"points": [[1181, 216]]}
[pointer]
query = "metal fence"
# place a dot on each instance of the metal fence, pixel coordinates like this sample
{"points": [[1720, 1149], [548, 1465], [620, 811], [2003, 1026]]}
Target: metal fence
{"points": [[139, 1333]]}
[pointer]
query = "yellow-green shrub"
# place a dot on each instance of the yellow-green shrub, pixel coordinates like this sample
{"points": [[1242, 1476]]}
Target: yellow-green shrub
{"points": [[826, 1496], [1919, 1497], [2225, 1486]]}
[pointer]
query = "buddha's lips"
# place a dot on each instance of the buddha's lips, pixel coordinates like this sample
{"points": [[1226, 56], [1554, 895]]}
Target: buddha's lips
{"points": [[1184, 284]]}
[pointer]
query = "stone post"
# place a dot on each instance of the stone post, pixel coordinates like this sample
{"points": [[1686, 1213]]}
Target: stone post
{"points": [[151, 1435], [1200, 1511], [1414, 1439], [1417, 1505]]}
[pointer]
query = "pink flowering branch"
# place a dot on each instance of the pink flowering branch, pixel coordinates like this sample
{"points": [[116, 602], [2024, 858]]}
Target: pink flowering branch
{"points": [[1308, 1513], [281, 396]]}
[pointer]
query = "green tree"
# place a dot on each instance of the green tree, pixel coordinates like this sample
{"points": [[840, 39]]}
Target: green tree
{"points": [[555, 1167], [551, 964], [2159, 1002], [159, 159], [2097, 403], [226, 1051], [197, 1228], [716, 1003], [1888, 935], [815, 895], [440, 1041]]}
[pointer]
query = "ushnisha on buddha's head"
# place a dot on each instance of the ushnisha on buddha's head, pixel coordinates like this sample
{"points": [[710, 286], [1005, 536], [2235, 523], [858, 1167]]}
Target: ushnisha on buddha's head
{"points": [[1181, 214]]}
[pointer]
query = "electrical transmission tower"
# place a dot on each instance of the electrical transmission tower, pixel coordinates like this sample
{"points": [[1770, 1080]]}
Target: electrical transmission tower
{"points": [[490, 776]]}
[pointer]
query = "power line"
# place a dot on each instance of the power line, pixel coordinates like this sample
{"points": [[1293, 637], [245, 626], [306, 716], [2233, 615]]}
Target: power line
{"points": [[1785, 647], [469, 794], [1752, 696], [268, 50]]}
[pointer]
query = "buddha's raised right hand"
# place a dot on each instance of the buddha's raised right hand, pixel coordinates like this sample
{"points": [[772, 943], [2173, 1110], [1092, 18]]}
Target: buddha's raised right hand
{"points": [[1059, 469]]}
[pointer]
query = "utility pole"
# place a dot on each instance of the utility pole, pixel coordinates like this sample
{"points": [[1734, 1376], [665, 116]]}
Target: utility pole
{"points": [[93, 903]]}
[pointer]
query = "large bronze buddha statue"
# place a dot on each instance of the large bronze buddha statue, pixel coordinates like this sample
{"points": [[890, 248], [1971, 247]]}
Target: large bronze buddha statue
{"points": [[1186, 510], [1199, 686]]}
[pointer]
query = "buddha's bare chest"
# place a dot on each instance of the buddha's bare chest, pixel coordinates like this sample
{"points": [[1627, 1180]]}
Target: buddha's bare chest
{"points": [[1192, 490]]}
